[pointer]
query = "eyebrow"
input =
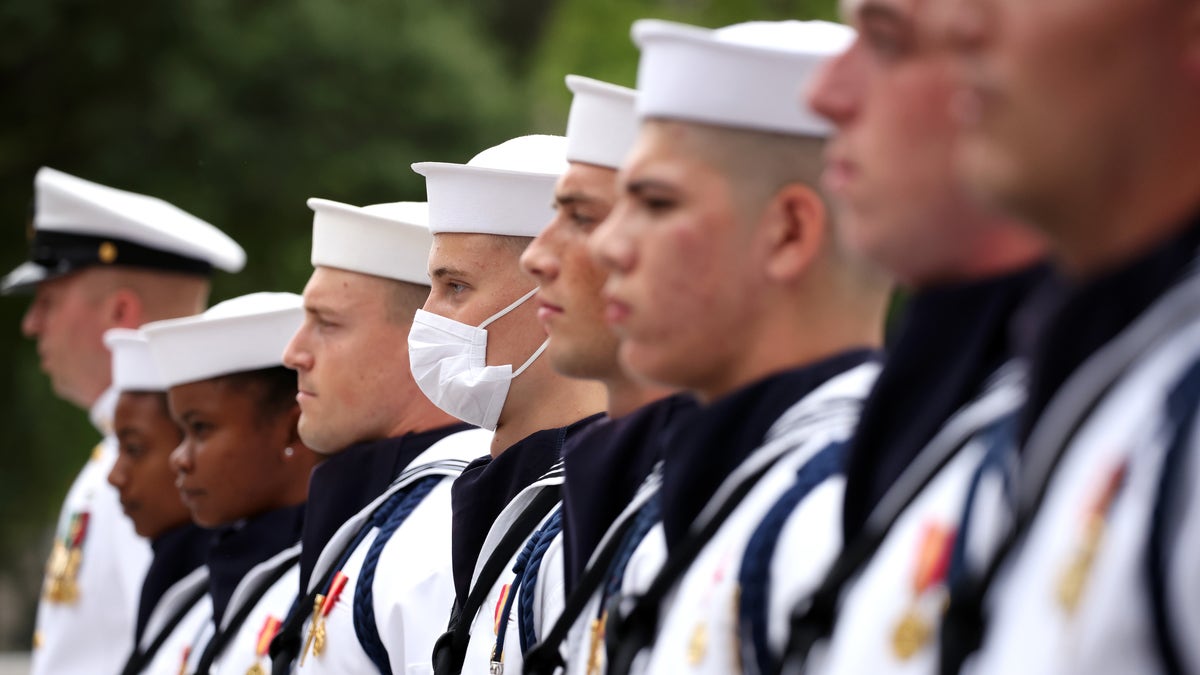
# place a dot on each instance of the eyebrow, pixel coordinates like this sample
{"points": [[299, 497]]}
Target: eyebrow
{"points": [[873, 10], [572, 198], [637, 187], [442, 272]]}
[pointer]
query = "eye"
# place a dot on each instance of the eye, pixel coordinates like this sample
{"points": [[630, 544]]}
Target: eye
{"points": [[199, 429], [133, 450], [886, 40]]}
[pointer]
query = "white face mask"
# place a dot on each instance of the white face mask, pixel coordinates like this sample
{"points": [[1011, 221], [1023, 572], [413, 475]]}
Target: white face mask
{"points": [[449, 363]]}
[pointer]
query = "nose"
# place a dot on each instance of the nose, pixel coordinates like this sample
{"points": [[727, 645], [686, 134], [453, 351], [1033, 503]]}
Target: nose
{"points": [[118, 476], [836, 91], [538, 260], [295, 355], [610, 244], [181, 458], [31, 323]]}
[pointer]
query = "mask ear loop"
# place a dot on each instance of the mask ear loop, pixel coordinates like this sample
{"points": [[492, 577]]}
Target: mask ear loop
{"points": [[508, 309], [531, 359]]}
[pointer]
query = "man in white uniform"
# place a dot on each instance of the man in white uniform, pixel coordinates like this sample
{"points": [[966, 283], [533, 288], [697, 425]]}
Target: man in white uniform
{"points": [[101, 258], [384, 489], [1084, 119]]}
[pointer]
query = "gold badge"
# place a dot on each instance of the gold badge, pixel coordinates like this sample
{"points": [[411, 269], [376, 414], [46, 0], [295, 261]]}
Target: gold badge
{"points": [[915, 628], [37, 639], [1074, 577], [312, 629], [256, 670], [597, 641], [698, 645], [107, 252], [66, 557]]}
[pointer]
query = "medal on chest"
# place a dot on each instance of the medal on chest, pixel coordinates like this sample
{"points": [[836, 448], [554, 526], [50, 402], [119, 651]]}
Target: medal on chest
{"points": [[66, 557], [322, 605], [1075, 573], [262, 645], [915, 627]]}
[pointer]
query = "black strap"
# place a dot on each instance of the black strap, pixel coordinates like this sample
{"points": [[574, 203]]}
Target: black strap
{"points": [[221, 639], [814, 621], [545, 657], [450, 650], [626, 636], [139, 659]]}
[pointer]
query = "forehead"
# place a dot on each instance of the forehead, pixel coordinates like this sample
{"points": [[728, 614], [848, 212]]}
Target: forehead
{"points": [[331, 286], [478, 256], [586, 181]]}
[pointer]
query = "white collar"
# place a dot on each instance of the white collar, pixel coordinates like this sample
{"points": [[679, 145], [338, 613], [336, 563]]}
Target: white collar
{"points": [[102, 411]]}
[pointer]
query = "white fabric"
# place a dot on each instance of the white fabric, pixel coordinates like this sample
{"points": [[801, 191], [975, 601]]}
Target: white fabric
{"points": [[883, 593], [548, 591], [411, 593], [240, 653], [507, 189], [448, 360], [170, 656], [246, 333], [385, 240], [1110, 630], [78, 637], [65, 203], [746, 76], [602, 125], [133, 368], [705, 600]]}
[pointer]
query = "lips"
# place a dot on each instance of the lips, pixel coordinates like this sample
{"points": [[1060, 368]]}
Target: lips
{"points": [[839, 174], [616, 311], [547, 311]]}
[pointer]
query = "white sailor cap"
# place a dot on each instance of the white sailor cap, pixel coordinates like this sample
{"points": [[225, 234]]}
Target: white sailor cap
{"points": [[507, 189], [246, 333], [602, 124], [385, 240], [745, 76], [78, 223], [132, 367]]}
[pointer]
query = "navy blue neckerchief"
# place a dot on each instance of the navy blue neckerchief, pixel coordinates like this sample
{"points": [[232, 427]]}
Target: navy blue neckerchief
{"points": [[348, 481], [604, 466], [1092, 313], [238, 548], [488, 484], [948, 343], [705, 445], [177, 553]]}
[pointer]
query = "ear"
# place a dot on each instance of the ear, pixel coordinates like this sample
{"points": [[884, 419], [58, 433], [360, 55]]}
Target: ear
{"points": [[795, 231], [123, 309]]}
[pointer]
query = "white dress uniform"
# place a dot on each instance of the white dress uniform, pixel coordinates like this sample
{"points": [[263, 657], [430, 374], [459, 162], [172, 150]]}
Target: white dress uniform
{"points": [[547, 593], [890, 611], [247, 650], [174, 652], [1073, 594], [89, 601], [699, 624], [410, 592]]}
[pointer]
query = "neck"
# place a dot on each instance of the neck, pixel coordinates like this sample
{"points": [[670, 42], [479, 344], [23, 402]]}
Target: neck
{"points": [[544, 401], [423, 416], [1001, 247], [626, 395]]}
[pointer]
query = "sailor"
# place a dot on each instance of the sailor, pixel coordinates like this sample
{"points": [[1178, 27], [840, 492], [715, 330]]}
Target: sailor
{"points": [[726, 279], [605, 464], [950, 375], [101, 258], [174, 603], [384, 490], [474, 350], [1084, 120], [241, 469]]}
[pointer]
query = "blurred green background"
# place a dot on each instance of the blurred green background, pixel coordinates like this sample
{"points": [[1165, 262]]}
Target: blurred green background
{"points": [[238, 111]]}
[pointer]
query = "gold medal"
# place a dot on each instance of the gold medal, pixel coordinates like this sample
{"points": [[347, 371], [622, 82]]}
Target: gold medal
{"points": [[312, 629], [915, 629], [698, 644], [1074, 577], [256, 670], [912, 633], [597, 641]]}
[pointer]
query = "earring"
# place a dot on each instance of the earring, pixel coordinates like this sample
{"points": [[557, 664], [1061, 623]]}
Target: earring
{"points": [[288, 451]]}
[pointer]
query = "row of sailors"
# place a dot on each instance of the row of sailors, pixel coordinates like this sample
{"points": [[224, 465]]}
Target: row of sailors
{"points": [[681, 451]]}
